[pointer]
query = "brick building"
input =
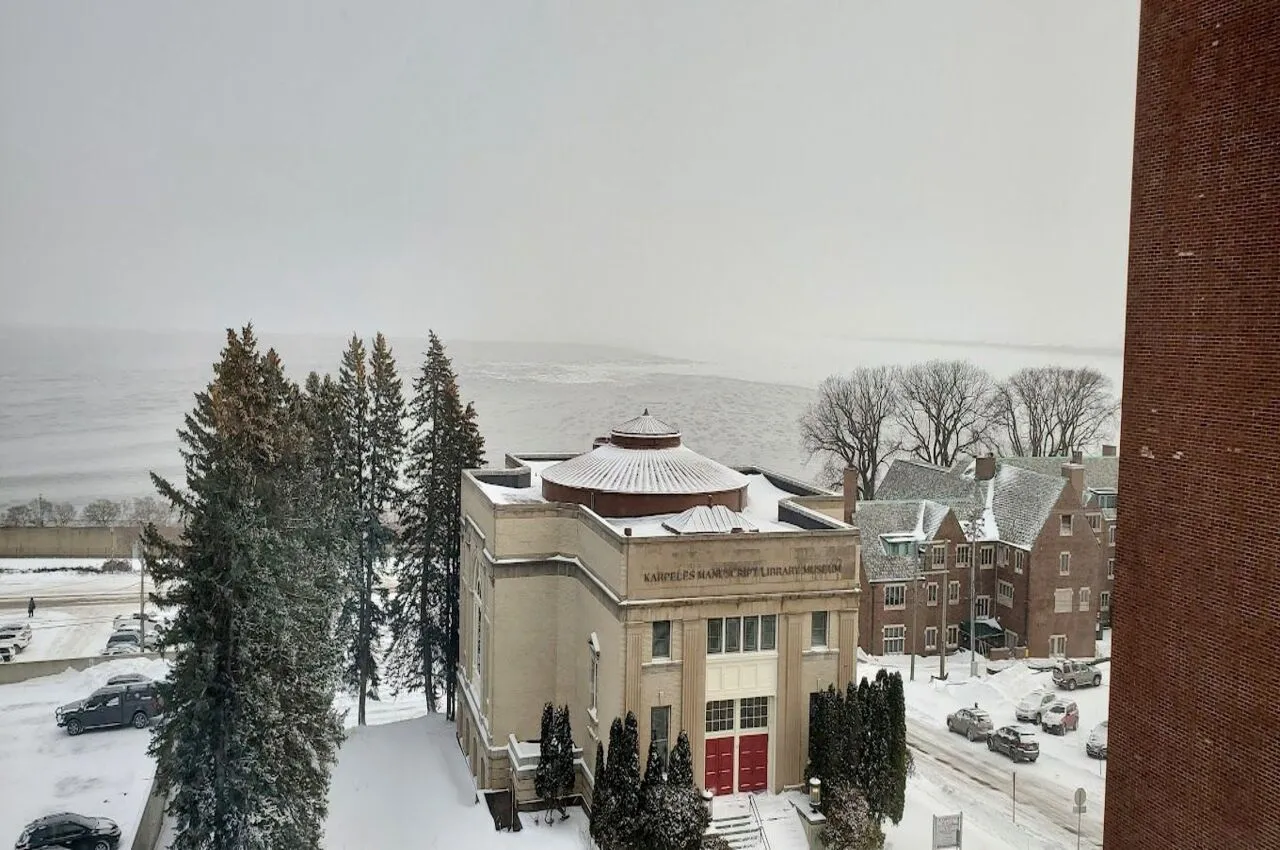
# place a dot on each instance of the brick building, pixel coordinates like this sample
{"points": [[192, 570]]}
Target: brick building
{"points": [[1197, 542], [1041, 566]]}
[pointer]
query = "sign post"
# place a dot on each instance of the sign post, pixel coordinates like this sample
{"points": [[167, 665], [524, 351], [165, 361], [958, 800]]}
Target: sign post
{"points": [[1080, 808], [946, 831]]}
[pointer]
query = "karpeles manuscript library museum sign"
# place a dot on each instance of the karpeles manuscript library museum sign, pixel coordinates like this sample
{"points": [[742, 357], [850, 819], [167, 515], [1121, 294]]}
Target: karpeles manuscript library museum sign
{"points": [[742, 572]]}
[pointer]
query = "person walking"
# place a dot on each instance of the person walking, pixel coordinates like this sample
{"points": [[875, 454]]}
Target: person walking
{"points": [[31, 607]]}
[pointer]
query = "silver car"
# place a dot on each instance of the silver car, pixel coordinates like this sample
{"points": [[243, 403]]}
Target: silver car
{"points": [[974, 723]]}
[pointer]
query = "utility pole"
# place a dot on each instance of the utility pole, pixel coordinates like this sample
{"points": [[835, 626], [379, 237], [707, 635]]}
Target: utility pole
{"points": [[944, 599], [975, 523], [915, 601], [142, 594]]}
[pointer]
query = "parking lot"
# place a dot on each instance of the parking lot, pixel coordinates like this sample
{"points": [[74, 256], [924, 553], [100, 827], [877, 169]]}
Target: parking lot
{"points": [[104, 773]]}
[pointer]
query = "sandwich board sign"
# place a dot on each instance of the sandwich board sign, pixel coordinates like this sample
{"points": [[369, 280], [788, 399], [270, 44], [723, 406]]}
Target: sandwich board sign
{"points": [[946, 831]]}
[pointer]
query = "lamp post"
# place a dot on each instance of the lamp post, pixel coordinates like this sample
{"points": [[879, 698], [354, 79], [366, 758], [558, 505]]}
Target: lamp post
{"points": [[975, 523], [915, 603]]}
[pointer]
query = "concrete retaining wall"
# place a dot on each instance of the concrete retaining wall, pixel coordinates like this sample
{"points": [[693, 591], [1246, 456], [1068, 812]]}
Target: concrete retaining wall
{"points": [[151, 823], [21, 671], [74, 541]]}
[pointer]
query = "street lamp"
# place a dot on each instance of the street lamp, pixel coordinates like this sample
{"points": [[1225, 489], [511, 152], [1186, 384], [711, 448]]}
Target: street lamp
{"points": [[815, 793], [975, 522]]}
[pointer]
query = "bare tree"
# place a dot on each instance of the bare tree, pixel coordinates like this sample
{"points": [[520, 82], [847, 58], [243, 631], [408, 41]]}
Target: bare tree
{"points": [[102, 512], [848, 424], [19, 515], [1049, 411], [149, 509], [945, 409], [64, 513]]}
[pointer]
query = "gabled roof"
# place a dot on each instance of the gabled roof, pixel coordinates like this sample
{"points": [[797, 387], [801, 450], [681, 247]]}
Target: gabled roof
{"points": [[916, 518], [709, 519], [1100, 472], [1015, 504]]}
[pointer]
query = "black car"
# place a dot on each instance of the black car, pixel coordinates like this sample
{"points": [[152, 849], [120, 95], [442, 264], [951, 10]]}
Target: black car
{"points": [[114, 705], [1014, 743], [72, 831]]}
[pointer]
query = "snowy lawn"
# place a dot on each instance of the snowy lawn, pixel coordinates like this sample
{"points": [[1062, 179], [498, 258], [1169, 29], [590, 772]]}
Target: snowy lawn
{"points": [[48, 586], [104, 773], [42, 564], [406, 784], [956, 775]]}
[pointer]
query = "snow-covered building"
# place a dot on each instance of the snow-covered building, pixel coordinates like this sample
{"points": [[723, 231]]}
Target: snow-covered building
{"points": [[1042, 544], [641, 576]]}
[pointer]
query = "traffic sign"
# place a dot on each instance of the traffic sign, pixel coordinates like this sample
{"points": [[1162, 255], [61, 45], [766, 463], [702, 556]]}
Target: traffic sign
{"points": [[1080, 796]]}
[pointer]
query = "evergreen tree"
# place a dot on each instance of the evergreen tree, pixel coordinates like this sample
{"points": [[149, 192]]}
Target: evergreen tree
{"points": [[850, 823], [612, 816], [251, 734], [544, 780], [565, 773], [600, 805], [444, 439], [874, 768], [851, 729], [899, 756], [653, 776], [626, 789], [680, 768]]}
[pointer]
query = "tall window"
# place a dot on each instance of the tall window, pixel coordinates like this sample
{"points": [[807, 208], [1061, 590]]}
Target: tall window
{"points": [[953, 635], [476, 592], [753, 713], [660, 730], [1095, 522], [1085, 598], [1064, 563], [988, 556], [940, 555], [742, 634], [1058, 645], [1104, 600], [662, 639], [1004, 594], [930, 637], [895, 639], [962, 554], [895, 596], [932, 593], [953, 593], [720, 715], [595, 681], [982, 605], [1065, 526], [1111, 568], [818, 629], [1111, 535], [1019, 560]]}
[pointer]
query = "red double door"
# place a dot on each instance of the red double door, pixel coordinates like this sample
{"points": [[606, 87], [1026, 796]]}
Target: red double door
{"points": [[753, 764]]}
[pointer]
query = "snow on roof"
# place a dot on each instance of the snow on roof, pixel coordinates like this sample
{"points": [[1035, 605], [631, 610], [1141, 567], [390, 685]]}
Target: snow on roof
{"points": [[500, 495], [614, 469], [709, 519], [645, 425], [761, 512]]}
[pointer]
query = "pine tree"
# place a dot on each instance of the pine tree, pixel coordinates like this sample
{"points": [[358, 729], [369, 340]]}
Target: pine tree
{"points": [[680, 768], [444, 440], [899, 756], [251, 733], [851, 734], [626, 790], [601, 809], [850, 823], [543, 778], [565, 772], [612, 817]]}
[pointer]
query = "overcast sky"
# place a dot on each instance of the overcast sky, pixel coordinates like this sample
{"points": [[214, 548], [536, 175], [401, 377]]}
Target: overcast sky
{"points": [[630, 172]]}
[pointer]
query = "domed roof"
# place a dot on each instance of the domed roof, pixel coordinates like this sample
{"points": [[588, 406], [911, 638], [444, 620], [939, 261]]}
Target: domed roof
{"points": [[645, 425], [646, 459]]}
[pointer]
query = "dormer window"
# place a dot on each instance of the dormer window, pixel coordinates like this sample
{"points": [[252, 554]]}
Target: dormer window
{"points": [[1065, 527], [898, 544]]}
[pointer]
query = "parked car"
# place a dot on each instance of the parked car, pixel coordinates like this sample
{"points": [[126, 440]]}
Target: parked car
{"points": [[1033, 705], [123, 643], [974, 723], [67, 830], [1073, 674], [128, 679], [1017, 744], [1096, 746], [21, 633], [114, 705], [8, 652], [135, 617], [1061, 717]]}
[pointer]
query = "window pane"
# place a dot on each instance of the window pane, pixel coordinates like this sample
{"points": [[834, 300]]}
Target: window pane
{"points": [[750, 634], [715, 630], [769, 632], [818, 630], [720, 715], [753, 713], [662, 639], [660, 724], [732, 634]]}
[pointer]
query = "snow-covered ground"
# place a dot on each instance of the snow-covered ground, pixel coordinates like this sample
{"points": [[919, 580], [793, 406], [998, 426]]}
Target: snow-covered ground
{"points": [[18, 565], [954, 775], [104, 773], [77, 631], [66, 585]]}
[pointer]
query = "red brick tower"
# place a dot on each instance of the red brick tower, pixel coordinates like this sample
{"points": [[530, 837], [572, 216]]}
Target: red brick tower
{"points": [[1195, 700]]}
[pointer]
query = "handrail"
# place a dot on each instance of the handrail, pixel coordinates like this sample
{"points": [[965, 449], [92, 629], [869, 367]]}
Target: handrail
{"points": [[755, 812]]}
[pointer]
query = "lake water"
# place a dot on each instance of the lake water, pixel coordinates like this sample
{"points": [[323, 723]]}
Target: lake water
{"points": [[86, 414]]}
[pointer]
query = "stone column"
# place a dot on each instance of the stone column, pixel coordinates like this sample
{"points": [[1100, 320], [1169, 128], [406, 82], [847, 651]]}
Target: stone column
{"points": [[693, 695], [848, 647], [793, 700]]}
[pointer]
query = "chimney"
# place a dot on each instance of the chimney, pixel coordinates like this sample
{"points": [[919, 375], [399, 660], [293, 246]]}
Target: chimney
{"points": [[1077, 456], [626, 531], [1074, 473], [1108, 450], [850, 493], [984, 468]]}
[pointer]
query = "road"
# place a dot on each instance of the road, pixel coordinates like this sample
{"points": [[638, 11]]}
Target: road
{"points": [[1039, 796]]}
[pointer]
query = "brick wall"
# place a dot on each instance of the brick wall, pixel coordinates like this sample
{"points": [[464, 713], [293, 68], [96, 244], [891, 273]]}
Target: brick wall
{"points": [[1197, 579]]}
